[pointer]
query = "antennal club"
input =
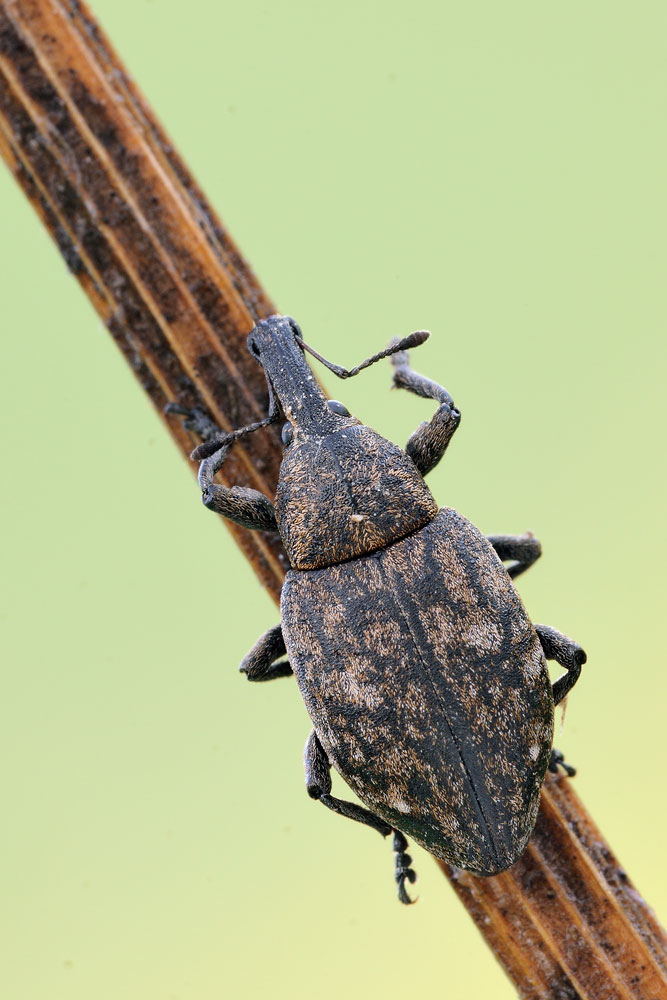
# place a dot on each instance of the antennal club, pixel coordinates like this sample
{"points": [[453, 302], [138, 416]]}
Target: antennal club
{"points": [[412, 340]]}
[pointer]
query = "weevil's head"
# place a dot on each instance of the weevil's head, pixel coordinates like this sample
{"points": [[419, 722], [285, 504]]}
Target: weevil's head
{"points": [[344, 491], [276, 343]]}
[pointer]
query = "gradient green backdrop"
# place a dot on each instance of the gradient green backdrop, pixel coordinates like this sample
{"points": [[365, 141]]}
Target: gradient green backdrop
{"points": [[492, 172]]}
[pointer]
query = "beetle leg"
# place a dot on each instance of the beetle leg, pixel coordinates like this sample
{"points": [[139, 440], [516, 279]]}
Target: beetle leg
{"points": [[195, 419], [403, 871], [558, 760], [259, 664], [429, 442], [240, 504], [524, 550], [318, 786], [564, 651]]}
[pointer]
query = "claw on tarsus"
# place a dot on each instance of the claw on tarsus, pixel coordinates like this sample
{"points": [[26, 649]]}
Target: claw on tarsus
{"points": [[403, 871], [558, 760]]}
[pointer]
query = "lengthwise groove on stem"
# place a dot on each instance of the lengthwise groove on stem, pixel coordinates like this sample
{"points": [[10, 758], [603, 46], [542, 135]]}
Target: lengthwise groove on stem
{"points": [[179, 300], [139, 236]]}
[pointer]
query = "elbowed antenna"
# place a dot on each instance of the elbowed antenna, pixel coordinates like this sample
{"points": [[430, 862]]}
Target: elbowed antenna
{"points": [[208, 448], [412, 340]]}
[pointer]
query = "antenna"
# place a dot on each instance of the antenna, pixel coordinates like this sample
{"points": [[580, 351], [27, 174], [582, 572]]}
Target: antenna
{"points": [[412, 340], [208, 448]]}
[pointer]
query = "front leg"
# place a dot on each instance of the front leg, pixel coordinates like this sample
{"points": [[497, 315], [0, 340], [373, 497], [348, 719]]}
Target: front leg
{"points": [[318, 786], [240, 504], [429, 442]]}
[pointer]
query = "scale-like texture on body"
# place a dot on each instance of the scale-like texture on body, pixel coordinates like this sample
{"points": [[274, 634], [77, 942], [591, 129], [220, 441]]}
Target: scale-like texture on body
{"points": [[428, 689]]}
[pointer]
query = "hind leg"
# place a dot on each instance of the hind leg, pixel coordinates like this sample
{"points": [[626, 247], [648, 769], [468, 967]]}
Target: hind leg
{"points": [[318, 786]]}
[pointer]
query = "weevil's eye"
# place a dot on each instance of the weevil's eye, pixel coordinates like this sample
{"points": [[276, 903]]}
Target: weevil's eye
{"points": [[287, 433], [296, 329], [337, 407]]}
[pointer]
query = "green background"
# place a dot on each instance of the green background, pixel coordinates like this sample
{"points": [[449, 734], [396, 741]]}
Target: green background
{"points": [[492, 172]]}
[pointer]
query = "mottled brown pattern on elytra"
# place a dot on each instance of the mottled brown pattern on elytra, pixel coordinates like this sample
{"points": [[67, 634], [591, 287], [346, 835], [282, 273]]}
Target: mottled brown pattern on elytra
{"points": [[421, 659], [370, 490], [528, 915]]}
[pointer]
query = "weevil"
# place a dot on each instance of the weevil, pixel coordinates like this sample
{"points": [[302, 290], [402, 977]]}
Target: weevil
{"points": [[424, 678]]}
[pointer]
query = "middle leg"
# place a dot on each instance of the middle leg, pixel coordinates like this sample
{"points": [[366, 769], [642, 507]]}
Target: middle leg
{"points": [[567, 653], [523, 550], [259, 664]]}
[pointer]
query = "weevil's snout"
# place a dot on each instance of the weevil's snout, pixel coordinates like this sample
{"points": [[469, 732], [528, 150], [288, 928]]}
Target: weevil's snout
{"points": [[276, 344], [275, 331]]}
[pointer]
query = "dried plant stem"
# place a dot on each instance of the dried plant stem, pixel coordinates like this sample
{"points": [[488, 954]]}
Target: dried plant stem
{"points": [[136, 231], [179, 300]]}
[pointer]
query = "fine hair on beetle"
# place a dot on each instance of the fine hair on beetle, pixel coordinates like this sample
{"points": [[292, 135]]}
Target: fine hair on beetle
{"points": [[425, 680], [207, 449]]}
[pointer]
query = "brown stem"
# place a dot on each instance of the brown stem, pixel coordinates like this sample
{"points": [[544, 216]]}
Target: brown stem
{"points": [[133, 227], [179, 300]]}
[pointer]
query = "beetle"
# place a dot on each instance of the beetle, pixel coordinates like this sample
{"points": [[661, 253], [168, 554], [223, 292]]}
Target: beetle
{"points": [[424, 678]]}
